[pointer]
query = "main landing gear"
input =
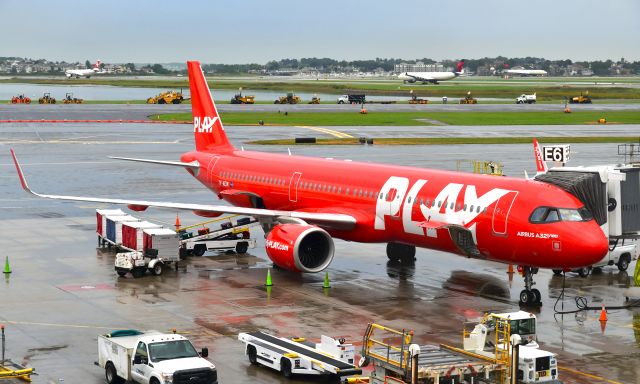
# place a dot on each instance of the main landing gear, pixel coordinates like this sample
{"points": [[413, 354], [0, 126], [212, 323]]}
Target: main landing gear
{"points": [[402, 253], [528, 296]]}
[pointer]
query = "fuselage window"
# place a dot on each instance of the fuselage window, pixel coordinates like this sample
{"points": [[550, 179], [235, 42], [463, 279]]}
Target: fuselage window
{"points": [[458, 207], [451, 207], [439, 204], [471, 209], [339, 189], [409, 200]]}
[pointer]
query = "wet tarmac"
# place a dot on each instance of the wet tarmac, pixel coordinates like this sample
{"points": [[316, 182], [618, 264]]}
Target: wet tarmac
{"points": [[63, 291]]}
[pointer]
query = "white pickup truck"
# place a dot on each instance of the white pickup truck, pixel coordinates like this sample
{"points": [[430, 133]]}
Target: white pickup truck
{"points": [[153, 358], [526, 99], [620, 254]]}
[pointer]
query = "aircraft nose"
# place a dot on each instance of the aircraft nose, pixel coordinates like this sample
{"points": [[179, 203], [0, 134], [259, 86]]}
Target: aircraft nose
{"points": [[593, 245]]}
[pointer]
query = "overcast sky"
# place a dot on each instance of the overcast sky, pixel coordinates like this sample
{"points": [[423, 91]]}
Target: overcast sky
{"points": [[262, 30]]}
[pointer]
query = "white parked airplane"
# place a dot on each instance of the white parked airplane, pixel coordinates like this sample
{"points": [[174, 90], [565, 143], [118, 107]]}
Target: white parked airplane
{"points": [[431, 77], [525, 72], [78, 73]]}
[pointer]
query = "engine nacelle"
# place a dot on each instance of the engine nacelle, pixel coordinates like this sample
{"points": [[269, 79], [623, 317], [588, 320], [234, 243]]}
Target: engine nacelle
{"points": [[411, 80], [300, 248]]}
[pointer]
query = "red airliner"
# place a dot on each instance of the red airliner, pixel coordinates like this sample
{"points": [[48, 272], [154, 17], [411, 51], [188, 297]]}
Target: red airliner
{"points": [[303, 202]]}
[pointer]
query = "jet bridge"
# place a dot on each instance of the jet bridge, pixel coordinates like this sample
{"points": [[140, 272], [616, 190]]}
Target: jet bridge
{"points": [[610, 192]]}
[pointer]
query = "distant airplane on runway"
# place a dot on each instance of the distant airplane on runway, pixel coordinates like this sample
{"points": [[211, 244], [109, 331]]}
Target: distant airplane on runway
{"points": [[78, 73], [431, 77], [303, 203], [519, 71]]}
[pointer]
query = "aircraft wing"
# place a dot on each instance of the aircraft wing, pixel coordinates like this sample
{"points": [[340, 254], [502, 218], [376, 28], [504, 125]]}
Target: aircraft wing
{"points": [[328, 220]]}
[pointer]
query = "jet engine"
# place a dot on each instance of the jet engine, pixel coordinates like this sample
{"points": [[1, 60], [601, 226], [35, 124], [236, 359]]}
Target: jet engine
{"points": [[410, 80], [300, 247]]}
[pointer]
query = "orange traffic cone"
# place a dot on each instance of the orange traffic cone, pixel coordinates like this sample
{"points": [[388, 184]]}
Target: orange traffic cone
{"points": [[510, 270], [603, 314], [177, 223]]}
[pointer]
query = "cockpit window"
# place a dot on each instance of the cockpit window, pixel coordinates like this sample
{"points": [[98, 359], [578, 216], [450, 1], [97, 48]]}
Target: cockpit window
{"points": [[550, 215]]}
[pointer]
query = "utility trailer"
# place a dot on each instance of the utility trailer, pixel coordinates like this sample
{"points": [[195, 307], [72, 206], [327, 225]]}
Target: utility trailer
{"points": [[133, 234], [231, 236], [101, 222], [297, 356]]}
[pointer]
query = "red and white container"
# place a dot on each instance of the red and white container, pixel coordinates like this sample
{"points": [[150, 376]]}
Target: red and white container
{"points": [[101, 219], [164, 240], [133, 235]]}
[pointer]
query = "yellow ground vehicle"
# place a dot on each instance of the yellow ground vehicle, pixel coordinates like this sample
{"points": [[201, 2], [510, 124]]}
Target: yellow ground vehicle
{"points": [[168, 97], [69, 99], [315, 100], [417, 100], [239, 99], [289, 99], [468, 99], [47, 99], [582, 99]]}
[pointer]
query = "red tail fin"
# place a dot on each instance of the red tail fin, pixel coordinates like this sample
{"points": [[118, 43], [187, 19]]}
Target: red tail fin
{"points": [[460, 66], [207, 127]]}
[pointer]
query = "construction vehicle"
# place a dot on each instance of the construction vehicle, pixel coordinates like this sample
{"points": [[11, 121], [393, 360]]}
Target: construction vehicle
{"points": [[330, 357], [289, 99], [47, 99], [480, 167], [416, 100], [511, 338], [69, 99], [315, 100], [168, 97], [468, 99], [526, 99], [20, 99], [582, 99], [352, 99], [239, 99], [153, 357]]}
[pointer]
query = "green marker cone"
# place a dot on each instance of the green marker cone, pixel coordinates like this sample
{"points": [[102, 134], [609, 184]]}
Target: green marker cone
{"points": [[268, 283], [7, 268], [326, 281]]}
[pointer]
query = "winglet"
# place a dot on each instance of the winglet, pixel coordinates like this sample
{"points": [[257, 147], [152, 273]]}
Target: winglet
{"points": [[541, 166], [23, 181]]}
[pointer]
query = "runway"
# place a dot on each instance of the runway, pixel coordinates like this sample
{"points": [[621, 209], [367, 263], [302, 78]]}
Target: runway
{"points": [[59, 274]]}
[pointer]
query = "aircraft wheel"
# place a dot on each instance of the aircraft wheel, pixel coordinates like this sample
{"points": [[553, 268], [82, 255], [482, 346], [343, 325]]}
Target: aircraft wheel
{"points": [[405, 254], [526, 296], [537, 296]]}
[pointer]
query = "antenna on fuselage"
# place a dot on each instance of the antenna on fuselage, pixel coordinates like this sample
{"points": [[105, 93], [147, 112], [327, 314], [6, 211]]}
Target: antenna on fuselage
{"points": [[289, 150]]}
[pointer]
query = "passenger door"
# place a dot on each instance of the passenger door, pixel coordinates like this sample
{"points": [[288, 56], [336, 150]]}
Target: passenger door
{"points": [[293, 187], [501, 213], [210, 167]]}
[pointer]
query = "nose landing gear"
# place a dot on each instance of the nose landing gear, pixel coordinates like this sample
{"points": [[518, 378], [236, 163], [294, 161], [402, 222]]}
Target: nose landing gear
{"points": [[529, 296]]}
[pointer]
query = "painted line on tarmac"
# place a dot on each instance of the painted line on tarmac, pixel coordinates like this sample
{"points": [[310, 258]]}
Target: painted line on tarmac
{"points": [[87, 142], [332, 132], [60, 325], [589, 375]]}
